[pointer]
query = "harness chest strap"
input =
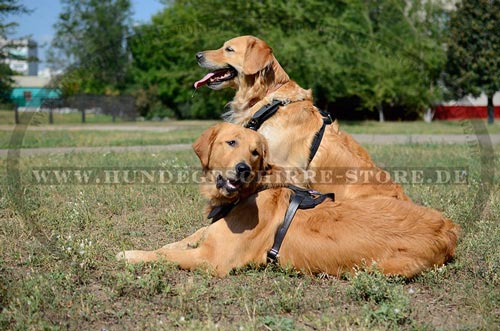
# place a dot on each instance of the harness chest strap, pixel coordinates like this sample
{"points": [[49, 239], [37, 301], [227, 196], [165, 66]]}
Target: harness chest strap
{"points": [[272, 255], [327, 120], [300, 199], [269, 110]]}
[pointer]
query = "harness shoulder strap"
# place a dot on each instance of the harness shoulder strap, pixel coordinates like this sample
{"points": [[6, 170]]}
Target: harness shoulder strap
{"points": [[270, 109], [263, 114]]}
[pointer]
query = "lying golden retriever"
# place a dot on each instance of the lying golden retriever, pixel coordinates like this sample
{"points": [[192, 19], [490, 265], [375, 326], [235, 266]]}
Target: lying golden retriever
{"points": [[247, 64], [334, 237]]}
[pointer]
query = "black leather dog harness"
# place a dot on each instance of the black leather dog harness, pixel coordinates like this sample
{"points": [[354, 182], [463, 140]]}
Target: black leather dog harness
{"points": [[300, 199], [269, 110]]}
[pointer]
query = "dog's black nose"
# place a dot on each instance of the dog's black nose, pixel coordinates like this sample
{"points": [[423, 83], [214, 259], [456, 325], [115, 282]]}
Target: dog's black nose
{"points": [[199, 56], [243, 170]]}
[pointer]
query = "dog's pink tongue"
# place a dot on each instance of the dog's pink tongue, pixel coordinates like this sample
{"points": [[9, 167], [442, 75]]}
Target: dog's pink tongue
{"points": [[204, 80]]}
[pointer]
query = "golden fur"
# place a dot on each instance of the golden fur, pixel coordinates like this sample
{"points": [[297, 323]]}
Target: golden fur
{"points": [[290, 132], [401, 237]]}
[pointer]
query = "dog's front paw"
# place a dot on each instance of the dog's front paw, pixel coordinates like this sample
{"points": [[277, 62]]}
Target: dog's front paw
{"points": [[121, 256], [136, 256], [129, 256]]}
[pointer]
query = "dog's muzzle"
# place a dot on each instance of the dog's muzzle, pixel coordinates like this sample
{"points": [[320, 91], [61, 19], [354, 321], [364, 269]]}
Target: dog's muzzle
{"points": [[242, 173]]}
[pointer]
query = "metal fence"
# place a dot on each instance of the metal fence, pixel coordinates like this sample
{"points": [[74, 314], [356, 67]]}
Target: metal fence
{"points": [[122, 107]]}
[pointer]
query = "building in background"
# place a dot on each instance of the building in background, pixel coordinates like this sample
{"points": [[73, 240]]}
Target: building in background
{"points": [[466, 107], [21, 55], [32, 92]]}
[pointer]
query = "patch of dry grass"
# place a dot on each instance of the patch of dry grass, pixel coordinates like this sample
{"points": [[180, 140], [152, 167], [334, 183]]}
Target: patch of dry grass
{"points": [[57, 266]]}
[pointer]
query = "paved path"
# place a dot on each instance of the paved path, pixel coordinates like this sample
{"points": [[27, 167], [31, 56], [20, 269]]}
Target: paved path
{"points": [[98, 127], [364, 139], [105, 149], [388, 139]]}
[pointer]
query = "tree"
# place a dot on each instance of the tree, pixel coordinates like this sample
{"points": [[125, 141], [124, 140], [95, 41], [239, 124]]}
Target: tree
{"points": [[7, 7], [473, 63], [163, 51], [399, 59], [385, 53], [90, 44]]}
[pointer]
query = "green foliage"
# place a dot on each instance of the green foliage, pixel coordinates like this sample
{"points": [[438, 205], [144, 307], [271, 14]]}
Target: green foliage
{"points": [[399, 59], [7, 7], [383, 52], [142, 280], [277, 323], [5, 82], [474, 50], [89, 44], [387, 304]]}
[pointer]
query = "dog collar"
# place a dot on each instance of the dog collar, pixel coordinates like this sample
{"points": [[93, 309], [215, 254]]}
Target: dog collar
{"points": [[221, 211], [263, 114]]}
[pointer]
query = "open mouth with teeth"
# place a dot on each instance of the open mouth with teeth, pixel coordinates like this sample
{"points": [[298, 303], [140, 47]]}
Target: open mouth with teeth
{"points": [[230, 185], [215, 78]]}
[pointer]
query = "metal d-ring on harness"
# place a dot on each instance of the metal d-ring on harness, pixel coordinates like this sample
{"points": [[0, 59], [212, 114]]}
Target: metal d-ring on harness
{"points": [[300, 199], [269, 110]]}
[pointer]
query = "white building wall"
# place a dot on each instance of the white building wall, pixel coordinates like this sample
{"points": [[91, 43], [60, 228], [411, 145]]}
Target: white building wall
{"points": [[25, 48]]}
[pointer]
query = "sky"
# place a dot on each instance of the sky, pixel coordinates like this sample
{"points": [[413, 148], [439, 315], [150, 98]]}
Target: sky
{"points": [[39, 23]]}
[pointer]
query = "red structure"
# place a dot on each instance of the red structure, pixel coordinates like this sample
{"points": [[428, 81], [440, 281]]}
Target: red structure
{"points": [[460, 112], [467, 107]]}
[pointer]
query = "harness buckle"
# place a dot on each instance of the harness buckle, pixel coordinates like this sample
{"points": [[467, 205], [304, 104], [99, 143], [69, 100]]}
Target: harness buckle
{"points": [[252, 124], [329, 120], [272, 255]]}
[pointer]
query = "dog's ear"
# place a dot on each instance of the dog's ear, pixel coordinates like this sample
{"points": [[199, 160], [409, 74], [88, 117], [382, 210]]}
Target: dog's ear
{"points": [[258, 55], [203, 145], [264, 162]]}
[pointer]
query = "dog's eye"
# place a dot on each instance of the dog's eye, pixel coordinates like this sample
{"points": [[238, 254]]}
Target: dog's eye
{"points": [[255, 152], [231, 143], [229, 49]]}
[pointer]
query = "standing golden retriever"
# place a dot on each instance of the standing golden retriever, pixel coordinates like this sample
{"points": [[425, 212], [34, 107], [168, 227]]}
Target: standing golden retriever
{"points": [[247, 64], [333, 237]]}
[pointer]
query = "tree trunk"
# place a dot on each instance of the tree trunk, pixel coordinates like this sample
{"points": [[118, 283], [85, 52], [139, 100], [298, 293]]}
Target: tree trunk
{"points": [[429, 115], [380, 109], [491, 109], [16, 114]]}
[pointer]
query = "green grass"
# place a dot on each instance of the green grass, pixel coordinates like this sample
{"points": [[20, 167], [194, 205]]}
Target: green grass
{"points": [[178, 132], [368, 127], [7, 117], [94, 138], [57, 266], [417, 127]]}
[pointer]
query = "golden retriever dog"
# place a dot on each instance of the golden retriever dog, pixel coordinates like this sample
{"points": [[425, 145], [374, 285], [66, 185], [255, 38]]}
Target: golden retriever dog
{"points": [[334, 237], [248, 65]]}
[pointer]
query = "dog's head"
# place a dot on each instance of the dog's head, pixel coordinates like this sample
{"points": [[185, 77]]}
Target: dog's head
{"points": [[238, 57], [232, 158]]}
